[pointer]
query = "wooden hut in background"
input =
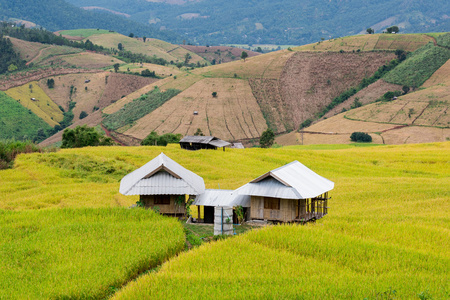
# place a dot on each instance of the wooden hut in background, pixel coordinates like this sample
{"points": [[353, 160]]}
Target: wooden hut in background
{"points": [[163, 183], [194, 142], [292, 193]]}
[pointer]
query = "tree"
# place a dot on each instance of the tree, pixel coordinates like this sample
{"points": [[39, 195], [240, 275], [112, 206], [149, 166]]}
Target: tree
{"points": [[12, 68], [187, 57], [259, 50], [267, 138], [244, 55], [179, 65], [120, 46], [83, 115], [199, 132], [370, 31], [392, 29], [131, 35], [360, 137], [214, 94], [51, 83], [83, 136], [153, 139], [144, 38], [116, 67]]}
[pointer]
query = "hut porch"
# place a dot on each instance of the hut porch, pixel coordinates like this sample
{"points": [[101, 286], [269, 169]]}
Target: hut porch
{"points": [[167, 204]]}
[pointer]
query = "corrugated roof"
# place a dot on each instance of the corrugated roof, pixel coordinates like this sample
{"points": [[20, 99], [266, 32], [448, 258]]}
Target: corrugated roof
{"points": [[222, 198], [237, 146], [162, 176], [216, 142], [292, 181], [196, 139], [219, 143]]}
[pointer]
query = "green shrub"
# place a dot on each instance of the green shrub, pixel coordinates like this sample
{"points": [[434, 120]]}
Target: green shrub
{"points": [[360, 137]]}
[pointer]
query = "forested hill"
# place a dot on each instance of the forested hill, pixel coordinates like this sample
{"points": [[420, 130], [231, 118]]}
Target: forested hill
{"points": [[58, 15], [281, 21]]}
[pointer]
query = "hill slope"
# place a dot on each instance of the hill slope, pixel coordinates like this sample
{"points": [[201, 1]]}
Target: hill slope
{"points": [[58, 14], [282, 21]]}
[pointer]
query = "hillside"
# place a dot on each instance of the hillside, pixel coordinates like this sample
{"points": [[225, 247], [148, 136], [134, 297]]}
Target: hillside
{"points": [[219, 54], [280, 22], [58, 14]]}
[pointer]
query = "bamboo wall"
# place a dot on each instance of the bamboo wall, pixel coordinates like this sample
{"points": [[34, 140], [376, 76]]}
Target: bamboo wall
{"points": [[170, 209], [288, 212]]}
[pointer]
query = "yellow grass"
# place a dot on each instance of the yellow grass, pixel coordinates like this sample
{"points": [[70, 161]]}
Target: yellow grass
{"points": [[162, 71], [43, 106], [175, 51], [233, 114], [90, 60], [368, 42], [268, 65]]}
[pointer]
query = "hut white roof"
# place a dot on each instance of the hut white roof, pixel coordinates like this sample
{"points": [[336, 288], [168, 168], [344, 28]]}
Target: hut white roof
{"points": [[197, 139], [162, 176], [292, 181], [222, 198]]}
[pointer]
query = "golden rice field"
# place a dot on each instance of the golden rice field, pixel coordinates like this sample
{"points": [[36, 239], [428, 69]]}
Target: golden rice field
{"points": [[386, 234], [42, 106]]}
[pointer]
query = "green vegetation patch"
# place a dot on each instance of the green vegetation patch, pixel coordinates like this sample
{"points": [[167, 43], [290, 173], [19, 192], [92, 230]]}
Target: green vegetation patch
{"points": [[89, 168], [84, 32], [443, 40], [139, 108], [81, 254], [17, 122], [419, 66]]}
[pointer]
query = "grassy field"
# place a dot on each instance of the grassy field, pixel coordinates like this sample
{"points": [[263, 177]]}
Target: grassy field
{"points": [[42, 106], [52, 51], [387, 227], [27, 50], [370, 42], [17, 122], [84, 32], [81, 254], [419, 66]]}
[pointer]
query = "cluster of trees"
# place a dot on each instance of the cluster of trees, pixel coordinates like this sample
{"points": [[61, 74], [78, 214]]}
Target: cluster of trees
{"points": [[83, 136], [267, 138], [153, 139], [360, 137], [10, 61]]}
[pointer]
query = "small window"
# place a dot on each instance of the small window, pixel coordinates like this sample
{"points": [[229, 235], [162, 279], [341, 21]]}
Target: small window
{"points": [[271, 203], [162, 199]]}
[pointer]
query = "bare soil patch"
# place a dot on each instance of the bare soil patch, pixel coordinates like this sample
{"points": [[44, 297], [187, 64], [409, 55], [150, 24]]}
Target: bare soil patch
{"points": [[234, 114], [311, 80]]}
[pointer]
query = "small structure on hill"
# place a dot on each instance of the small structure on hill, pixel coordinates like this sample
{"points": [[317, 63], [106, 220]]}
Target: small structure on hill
{"points": [[237, 146], [291, 193], [219, 198], [197, 142], [163, 184]]}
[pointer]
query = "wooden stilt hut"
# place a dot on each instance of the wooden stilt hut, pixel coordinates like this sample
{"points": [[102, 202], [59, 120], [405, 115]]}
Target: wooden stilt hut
{"points": [[164, 184], [292, 193]]}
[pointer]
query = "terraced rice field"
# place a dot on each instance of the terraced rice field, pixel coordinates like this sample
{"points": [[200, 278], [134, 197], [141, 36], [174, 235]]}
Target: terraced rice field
{"points": [[42, 105], [234, 114]]}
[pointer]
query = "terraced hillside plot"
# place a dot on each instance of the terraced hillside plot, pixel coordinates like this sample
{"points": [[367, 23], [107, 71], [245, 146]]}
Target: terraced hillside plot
{"points": [[84, 253], [88, 60], [32, 97], [416, 134], [311, 80], [162, 71], [269, 65], [369, 42], [17, 122], [83, 33], [319, 138], [27, 50], [177, 51], [101, 90], [220, 54], [53, 54], [232, 115]]}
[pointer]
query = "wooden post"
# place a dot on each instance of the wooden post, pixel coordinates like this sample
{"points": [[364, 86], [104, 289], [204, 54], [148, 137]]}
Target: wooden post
{"points": [[198, 212]]}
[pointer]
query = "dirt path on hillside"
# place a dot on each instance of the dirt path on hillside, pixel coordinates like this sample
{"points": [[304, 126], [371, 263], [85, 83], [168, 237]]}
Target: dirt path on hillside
{"points": [[38, 55]]}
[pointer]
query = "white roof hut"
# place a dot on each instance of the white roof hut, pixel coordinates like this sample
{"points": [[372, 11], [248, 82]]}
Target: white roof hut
{"points": [[160, 181], [288, 194]]}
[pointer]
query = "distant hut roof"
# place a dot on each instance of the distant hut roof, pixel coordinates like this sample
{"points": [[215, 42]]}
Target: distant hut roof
{"points": [[222, 198], [292, 181], [237, 146], [162, 176], [211, 140]]}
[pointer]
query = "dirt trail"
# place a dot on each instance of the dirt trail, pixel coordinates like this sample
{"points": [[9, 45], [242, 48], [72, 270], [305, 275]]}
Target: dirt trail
{"points": [[38, 55]]}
